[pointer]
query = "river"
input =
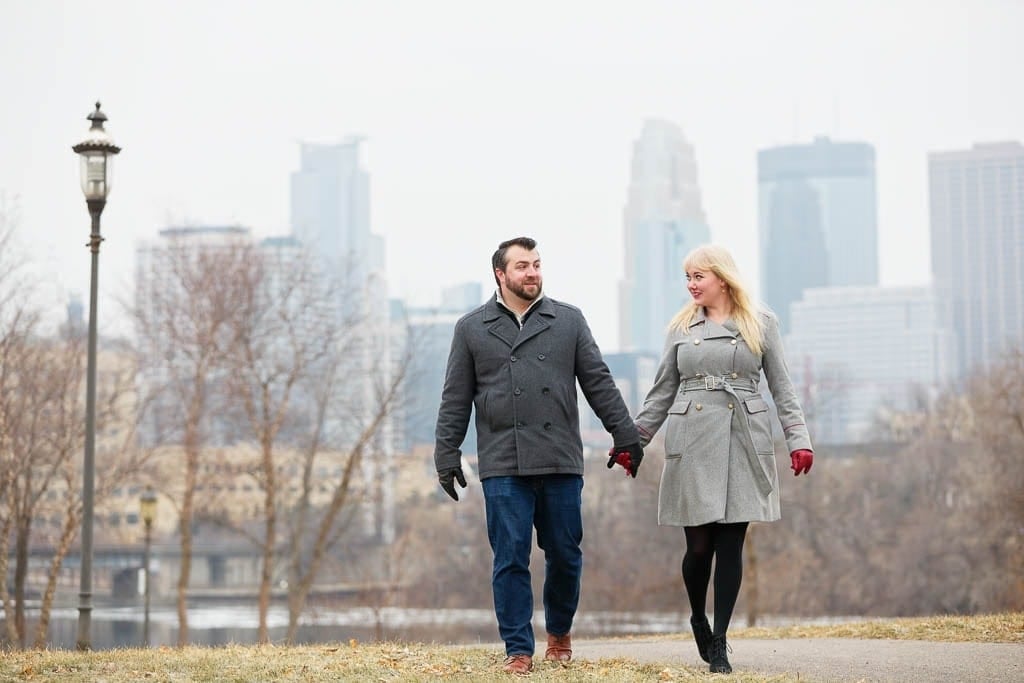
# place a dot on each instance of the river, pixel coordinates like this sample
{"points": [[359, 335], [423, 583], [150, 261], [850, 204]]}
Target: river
{"points": [[221, 624]]}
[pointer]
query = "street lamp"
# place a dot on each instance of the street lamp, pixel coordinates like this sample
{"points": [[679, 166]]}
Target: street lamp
{"points": [[96, 152], [147, 510]]}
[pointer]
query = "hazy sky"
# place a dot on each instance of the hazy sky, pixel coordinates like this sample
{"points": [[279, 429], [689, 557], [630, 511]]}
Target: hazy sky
{"points": [[485, 120]]}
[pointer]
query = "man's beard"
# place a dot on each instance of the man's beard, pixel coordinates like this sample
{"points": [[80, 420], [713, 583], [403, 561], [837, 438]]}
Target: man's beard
{"points": [[522, 292]]}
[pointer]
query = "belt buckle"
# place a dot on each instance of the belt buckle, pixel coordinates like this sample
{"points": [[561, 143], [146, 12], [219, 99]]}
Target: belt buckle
{"points": [[709, 383]]}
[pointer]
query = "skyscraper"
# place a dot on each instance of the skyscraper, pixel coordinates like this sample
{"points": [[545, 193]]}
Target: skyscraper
{"points": [[662, 221], [817, 219], [977, 233], [330, 206]]}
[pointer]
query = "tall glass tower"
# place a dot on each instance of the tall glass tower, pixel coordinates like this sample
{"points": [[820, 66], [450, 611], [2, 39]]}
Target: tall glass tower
{"points": [[662, 221], [977, 231], [330, 207], [818, 222]]}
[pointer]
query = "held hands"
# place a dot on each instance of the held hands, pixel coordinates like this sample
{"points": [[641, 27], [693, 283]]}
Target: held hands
{"points": [[622, 459], [627, 456], [448, 478], [802, 461]]}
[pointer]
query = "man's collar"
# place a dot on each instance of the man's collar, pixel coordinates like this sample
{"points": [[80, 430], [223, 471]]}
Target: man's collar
{"points": [[501, 302]]}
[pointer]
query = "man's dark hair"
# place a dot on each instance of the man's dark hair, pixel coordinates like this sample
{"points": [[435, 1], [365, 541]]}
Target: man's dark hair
{"points": [[500, 260]]}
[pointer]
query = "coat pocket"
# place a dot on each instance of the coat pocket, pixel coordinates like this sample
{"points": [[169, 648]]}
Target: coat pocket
{"points": [[675, 430], [496, 409], [760, 428]]}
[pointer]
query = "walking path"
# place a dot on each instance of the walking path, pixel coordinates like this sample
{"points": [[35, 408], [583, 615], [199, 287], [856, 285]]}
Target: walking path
{"points": [[833, 659]]}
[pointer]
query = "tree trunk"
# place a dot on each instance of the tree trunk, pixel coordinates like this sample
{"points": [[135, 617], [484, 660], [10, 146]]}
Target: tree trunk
{"points": [[10, 632], [270, 541], [300, 591], [68, 534], [185, 574], [753, 597], [24, 528]]}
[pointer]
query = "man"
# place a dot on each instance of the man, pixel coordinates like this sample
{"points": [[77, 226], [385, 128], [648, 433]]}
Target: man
{"points": [[517, 359]]}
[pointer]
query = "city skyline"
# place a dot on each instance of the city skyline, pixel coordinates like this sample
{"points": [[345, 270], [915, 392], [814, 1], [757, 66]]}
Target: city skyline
{"points": [[480, 124]]}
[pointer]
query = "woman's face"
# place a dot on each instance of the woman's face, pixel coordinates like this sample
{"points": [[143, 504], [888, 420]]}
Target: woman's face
{"points": [[706, 288]]}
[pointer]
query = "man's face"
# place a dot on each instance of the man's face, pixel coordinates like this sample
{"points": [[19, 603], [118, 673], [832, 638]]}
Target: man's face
{"points": [[522, 275]]}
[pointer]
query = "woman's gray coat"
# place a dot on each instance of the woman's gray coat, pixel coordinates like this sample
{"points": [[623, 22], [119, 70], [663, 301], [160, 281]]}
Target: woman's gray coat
{"points": [[719, 453]]}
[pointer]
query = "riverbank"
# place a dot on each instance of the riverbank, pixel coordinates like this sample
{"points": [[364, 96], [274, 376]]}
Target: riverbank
{"points": [[985, 647]]}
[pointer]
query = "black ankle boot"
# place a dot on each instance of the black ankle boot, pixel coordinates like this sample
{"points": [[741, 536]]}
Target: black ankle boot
{"points": [[719, 657], [702, 635]]}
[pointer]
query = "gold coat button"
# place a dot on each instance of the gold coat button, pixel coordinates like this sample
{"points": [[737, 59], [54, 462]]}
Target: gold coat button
{"points": [[699, 407], [696, 341], [733, 342], [734, 375], [730, 406]]}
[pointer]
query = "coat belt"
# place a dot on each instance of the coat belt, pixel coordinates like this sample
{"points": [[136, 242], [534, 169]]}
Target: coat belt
{"points": [[730, 385], [716, 383]]}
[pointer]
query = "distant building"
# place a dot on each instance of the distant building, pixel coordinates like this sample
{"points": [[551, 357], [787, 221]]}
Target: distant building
{"points": [[818, 227], [74, 325], [977, 240], [662, 221], [330, 207], [633, 373], [430, 332], [857, 353]]}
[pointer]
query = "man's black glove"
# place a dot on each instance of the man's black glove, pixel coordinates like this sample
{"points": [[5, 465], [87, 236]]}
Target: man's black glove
{"points": [[628, 456], [447, 479]]}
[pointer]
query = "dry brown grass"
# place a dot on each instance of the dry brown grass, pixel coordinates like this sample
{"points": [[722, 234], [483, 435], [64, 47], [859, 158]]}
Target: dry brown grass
{"points": [[311, 664], [414, 662]]}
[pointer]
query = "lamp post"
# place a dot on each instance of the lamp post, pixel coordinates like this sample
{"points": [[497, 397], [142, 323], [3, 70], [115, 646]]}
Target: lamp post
{"points": [[96, 152], [147, 510]]}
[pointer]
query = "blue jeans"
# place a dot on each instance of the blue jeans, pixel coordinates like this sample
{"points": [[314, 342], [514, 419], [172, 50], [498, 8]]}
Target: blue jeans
{"points": [[515, 507]]}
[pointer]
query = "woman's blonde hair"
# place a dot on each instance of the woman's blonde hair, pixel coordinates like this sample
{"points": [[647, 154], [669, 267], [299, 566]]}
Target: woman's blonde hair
{"points": [[746, 314]]}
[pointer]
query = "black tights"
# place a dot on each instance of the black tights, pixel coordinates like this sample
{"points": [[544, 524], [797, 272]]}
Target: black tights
{"points": [[724, 542]]}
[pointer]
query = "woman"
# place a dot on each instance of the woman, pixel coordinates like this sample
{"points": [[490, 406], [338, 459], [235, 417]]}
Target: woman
{"points": [[720, 470]]}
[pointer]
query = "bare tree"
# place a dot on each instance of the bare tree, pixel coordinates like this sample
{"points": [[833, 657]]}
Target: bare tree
{"points": [[287, 333], [363, 421], [997, 471], [42, 404], [42, 435], [17, 484], [117, 410], [18, 322], [189, 298]]}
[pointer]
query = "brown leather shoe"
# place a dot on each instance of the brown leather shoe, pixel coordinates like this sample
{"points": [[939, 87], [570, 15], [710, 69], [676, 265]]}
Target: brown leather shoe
{"points": [[559, 648], [518, 664]]}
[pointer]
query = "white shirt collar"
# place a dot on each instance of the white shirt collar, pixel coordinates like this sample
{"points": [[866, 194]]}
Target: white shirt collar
{"points": [[519, 318]]}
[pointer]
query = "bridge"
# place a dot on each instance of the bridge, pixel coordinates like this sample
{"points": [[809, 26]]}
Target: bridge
{"points": [[220, 572]]}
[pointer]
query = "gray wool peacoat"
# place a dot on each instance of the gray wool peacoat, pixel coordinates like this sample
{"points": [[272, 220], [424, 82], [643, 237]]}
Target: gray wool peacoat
{"points": [[719, 451], [522, 383]]}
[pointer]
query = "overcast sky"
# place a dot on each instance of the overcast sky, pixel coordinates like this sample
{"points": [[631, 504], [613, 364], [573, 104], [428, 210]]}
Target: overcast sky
{"points": [[484, 120]]}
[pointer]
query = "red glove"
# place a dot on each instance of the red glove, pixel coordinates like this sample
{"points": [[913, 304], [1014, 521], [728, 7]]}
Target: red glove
{"points": [[621, 458], [802, 461]]}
